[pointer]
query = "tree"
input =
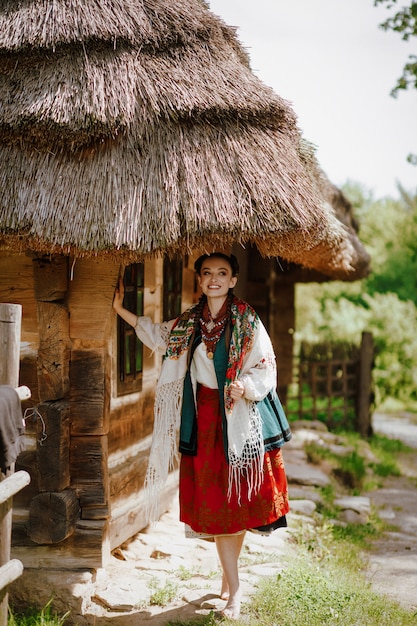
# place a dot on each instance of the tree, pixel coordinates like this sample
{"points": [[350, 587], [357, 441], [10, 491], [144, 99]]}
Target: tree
{"points": [[403, 21], [385, 303]]}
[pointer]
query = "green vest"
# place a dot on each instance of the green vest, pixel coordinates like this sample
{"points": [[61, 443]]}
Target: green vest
{"points": [[275, 427]]}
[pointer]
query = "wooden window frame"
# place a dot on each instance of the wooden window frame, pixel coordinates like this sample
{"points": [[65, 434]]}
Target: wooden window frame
{"points": [[172, 288], [129, 347]]}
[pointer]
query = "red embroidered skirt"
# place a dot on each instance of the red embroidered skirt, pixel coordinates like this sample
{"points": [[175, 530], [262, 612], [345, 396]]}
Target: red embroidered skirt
{"points": [[204, 481]]}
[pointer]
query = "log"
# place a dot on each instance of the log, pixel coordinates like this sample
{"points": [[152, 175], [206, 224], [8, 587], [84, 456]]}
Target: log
{"points": [[87, 548], [88, 468], [87, 377], [9, 572], [90, 300], [10, 327], [50, 278], [54, 351], [12, 484], [53, 516], [53, 452]]}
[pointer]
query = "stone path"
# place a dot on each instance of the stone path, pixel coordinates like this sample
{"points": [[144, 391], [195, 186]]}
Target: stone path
{"points": [[162, 559], [393, 561], [162, 556]]}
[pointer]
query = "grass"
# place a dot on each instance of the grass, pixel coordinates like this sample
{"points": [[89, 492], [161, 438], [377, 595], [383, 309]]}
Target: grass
{"points": [[322, 594], [352, 468], [162, 595], [322, 584], [385, 450], [34, 617]]}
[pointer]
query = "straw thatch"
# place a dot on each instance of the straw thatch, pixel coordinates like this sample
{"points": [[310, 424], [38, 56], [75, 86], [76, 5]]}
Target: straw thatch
{"points": [[136, 127]]}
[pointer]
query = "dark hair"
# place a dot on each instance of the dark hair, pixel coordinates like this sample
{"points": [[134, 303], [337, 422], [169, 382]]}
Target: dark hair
{"points": [[231, 260]]}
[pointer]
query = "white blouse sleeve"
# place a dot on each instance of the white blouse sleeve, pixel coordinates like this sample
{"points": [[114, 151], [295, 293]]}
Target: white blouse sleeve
{"points": [[259, 373], [154, 336]]}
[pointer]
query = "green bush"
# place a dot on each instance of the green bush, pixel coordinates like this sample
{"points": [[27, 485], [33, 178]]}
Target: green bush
{"points": [[392, 322]]}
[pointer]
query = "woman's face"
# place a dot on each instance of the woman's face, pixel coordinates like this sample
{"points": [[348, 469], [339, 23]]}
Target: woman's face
{"points": [[216, 278]]}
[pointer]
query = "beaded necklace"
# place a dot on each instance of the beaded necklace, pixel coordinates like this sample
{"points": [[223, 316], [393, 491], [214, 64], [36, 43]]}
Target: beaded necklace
{"points": [[212, 329]]}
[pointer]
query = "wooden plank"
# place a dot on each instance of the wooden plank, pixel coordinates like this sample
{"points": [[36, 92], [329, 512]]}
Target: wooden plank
{"points": [[10, 327], [9, 572], [364, 425], [95, 512], [16, 285], [53, 516], [54, 352], [127, 478], [86, 548], [53, 451], [50, 277], [12, 484], [28, 462], [87, 392], [88, 468], [90, 300], [128, 517], [29, 377]]}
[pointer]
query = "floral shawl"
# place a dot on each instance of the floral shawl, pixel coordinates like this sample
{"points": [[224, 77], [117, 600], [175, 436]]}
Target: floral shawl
{"points": [[251, 359]]}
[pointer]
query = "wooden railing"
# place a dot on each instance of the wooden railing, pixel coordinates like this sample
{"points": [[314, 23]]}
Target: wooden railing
{"points": [[12, 483], [10, 569]]}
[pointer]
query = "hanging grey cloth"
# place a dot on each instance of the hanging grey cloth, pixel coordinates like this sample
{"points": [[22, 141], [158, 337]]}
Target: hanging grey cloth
{"points": [[11, 427]]}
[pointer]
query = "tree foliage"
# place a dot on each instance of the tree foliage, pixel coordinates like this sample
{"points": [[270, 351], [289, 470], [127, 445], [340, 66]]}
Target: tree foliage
{"points": [[385, 303], [403, 21]]}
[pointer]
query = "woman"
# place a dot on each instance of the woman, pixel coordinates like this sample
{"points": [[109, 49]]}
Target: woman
{"points": [[217, 387]]}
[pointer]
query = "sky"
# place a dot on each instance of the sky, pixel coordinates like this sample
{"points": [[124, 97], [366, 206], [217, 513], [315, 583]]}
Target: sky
{"points": [[336, 66]]}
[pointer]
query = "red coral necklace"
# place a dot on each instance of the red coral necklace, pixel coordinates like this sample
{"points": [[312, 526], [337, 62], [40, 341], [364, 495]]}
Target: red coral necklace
{"points": [[212, 328]]}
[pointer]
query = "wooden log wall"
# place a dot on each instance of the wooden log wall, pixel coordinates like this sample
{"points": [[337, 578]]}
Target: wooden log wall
{"points": [[97, 443], [131, 423], [54, 343]]}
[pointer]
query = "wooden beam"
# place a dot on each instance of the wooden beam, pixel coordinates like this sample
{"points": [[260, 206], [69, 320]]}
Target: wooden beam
{"points": [[12, 484], [50, 278], [53, 516], [88, 467], [10, 327], [54, 351], [87, 392], [53, 451]]}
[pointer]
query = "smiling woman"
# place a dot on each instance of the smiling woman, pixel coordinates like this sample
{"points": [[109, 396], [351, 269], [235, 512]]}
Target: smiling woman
{"points": [[217, 390]]}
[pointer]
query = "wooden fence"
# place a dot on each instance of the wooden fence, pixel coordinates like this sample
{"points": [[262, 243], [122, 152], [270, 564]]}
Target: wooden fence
{"points": [[10, 570], [12, 483], [333, 383]]}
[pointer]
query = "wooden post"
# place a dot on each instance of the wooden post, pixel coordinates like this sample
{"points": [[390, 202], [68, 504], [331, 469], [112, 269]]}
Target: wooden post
{"points": [[364, 426], [10, 326]]}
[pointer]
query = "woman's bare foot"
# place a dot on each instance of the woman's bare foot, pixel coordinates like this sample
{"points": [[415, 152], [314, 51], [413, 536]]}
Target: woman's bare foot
{"points": [[232, 608], [224, 593]]}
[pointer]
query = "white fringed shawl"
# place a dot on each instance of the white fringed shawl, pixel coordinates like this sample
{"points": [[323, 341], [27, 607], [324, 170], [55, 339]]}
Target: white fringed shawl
{"points": [[251, 360]]}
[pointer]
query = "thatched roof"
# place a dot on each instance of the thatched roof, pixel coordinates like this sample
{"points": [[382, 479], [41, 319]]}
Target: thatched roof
{"points": [[136, 127]]}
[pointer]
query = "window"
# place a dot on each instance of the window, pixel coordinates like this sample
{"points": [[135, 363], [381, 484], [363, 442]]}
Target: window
{"points": [[130, 349], [172, 288]]}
